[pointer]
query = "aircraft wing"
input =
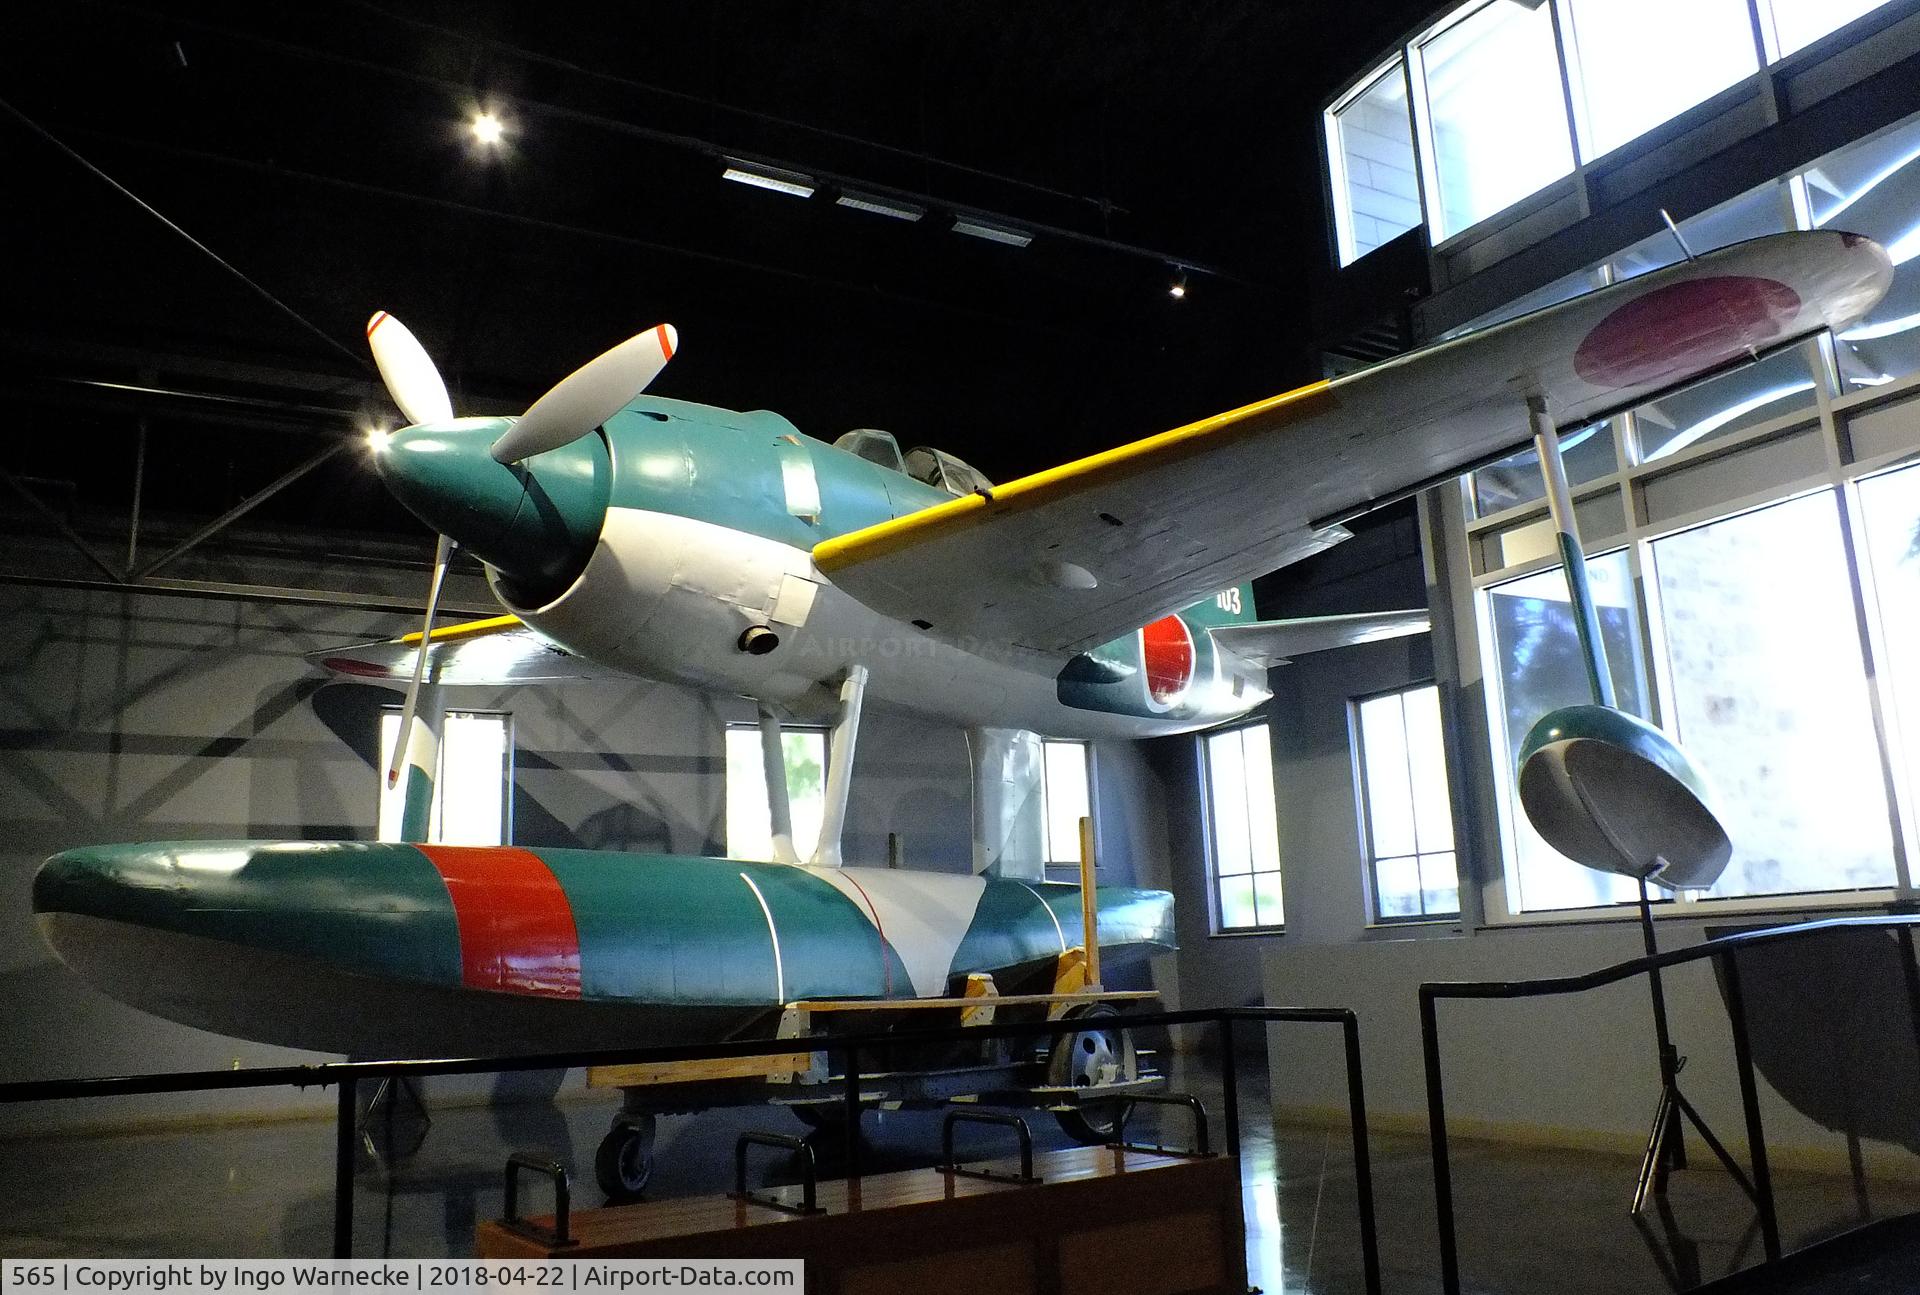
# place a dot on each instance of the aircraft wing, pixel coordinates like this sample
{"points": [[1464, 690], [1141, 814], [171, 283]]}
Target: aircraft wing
{"points": [[499, 651], [1271, 643], [1077, 555]]}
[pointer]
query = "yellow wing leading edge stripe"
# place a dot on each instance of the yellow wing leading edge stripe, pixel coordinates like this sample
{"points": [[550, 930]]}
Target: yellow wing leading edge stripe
{"points": [[903, 532], [466, 629]]}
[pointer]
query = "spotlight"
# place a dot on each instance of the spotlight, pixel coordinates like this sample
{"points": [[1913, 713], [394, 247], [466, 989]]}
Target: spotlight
{"points": [[487, 128], [377, 439], [761, 176], [1178, 288]]}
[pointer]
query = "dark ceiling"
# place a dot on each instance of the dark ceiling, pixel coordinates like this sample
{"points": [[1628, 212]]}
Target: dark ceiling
{"points": [[321, 150]]}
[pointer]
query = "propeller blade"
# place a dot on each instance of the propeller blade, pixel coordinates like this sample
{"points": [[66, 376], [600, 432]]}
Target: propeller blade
{"points": [[441, 553], [408, 371], [588, 396]]}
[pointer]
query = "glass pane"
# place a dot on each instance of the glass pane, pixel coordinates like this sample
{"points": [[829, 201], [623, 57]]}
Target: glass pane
{"points": [[1066, 799], [806, 759], [1427, 760], [469, 789], [1263, 824], [1396, 887], [1757, 212], [1873, 188], [1732, 402], [471, 792], [1539, 668], [1380, 193], [1227, 803], [1642, 62], [1771, 697], [1440, 884], [749, 822], [1266, 899], [1499, 118], [1389, 793], [1890, 508], [1516, 479], [1236, 903], [1796, 24], [749, 830]]}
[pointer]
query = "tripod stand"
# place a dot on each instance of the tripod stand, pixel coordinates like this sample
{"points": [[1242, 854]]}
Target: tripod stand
{"points": [[1666, 1145]]}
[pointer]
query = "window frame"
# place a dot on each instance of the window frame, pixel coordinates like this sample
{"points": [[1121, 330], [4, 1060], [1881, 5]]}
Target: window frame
{"points": [[1334, 160], [1370, 858], [823, 731], [1830, 420], [507, 766], [1046, 801], [1216, 927]]}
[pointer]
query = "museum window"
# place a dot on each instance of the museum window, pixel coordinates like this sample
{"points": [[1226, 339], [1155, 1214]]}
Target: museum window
{"points": [[1770, 696], [1376, 186], [1890, 520], [1528, 632], [1625, 82], [749, 821], [471, 788], [1491, 85], [1243, 831], [1066, 797], [1791, 25], [1494, 119], [1406, 809], [1873, 188]]}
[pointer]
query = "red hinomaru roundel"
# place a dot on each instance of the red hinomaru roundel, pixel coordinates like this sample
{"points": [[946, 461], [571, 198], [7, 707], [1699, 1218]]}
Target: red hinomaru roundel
{"points": [[1166, 648]]}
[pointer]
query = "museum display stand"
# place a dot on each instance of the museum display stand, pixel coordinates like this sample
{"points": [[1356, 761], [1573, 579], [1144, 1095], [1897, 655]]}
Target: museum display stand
{"points": [[1062, 1221]]}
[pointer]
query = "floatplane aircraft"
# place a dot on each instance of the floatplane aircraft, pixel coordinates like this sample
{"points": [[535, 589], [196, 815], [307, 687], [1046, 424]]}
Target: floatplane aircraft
{"points": [[731, 552]]}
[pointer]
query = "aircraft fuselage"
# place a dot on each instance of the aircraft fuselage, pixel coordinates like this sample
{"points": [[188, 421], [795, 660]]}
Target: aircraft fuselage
{"points": [[657, 546]]}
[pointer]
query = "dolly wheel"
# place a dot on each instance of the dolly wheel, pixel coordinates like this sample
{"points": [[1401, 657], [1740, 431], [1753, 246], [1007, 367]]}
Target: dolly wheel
{"points": [[624, 1164], [1097, 1056]]}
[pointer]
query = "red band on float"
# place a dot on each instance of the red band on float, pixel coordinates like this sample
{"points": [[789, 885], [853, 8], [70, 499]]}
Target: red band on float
{"points": [[517, 934]]}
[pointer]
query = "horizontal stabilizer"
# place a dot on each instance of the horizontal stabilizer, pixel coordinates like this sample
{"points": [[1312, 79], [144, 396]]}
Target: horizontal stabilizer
{"points": [[1272, 643], [497, 652]]}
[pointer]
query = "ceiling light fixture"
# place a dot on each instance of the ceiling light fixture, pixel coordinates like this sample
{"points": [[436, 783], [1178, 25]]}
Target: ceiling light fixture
{"points": [[487, 128], [992, 233], [1178, 288], [762, 176], [897, 208]]}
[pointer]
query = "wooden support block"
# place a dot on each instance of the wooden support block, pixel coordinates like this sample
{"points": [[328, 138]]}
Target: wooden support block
{"points": [[692, 1072]]}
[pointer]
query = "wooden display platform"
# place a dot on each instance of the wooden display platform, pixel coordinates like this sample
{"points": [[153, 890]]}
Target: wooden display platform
{"points": [[1102, 1219]]}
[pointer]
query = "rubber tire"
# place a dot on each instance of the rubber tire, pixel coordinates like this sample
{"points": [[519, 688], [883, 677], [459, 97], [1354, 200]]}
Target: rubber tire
{"points": [[1071, 1062], [623, 1166]]}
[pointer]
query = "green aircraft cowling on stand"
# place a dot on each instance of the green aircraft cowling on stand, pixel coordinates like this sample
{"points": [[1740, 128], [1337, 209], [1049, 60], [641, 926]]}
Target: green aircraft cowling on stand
{"points": [[729, 552]]}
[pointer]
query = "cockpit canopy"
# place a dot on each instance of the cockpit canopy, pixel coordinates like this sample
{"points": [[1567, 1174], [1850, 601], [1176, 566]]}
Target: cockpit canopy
{"points": [[935, 468]]}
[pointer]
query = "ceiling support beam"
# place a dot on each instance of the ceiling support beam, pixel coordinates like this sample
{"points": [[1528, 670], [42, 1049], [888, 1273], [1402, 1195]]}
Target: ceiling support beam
{"points": [[240, 510]]}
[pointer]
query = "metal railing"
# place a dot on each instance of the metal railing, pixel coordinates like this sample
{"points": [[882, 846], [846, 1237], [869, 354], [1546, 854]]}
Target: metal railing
{"points": [[347, 1076], [1758, 1185]]}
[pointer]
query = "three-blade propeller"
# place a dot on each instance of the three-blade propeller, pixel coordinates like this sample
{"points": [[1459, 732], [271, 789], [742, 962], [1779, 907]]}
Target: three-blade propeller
{"points": [[572, 408]]}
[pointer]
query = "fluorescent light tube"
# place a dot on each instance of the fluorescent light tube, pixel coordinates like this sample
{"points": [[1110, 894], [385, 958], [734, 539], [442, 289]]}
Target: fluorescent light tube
{"points": [[896, 208], [760, 176], [992, 233]]}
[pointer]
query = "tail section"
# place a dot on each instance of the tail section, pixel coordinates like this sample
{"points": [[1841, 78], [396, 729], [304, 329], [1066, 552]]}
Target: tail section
{"points": [[1233, 606]]}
